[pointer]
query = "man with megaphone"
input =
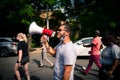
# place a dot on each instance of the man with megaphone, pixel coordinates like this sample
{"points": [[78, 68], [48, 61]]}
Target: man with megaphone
{"points": [[65, 54]]}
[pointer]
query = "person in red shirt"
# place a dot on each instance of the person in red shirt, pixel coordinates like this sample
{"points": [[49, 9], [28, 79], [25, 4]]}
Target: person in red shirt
{"points": [[95, 52]]}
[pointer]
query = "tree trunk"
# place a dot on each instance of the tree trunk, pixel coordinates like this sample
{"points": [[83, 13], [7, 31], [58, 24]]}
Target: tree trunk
{"points": [[29, 40]]}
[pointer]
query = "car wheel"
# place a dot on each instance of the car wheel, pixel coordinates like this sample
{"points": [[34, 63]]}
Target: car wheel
{"points": [[4, 52]]}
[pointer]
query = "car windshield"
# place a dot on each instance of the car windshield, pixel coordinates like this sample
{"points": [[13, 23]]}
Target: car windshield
{"points": [[86, 41], [5, 40]]}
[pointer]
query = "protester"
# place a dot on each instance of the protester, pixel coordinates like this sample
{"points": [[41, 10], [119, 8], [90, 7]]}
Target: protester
{"points": [[65, 54], [118, 40], [44, 53], [23, 57], [95, 51], [110, 69]]}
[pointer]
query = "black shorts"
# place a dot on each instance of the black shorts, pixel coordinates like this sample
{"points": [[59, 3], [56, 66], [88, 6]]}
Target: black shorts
{"points": [[24, 60]]}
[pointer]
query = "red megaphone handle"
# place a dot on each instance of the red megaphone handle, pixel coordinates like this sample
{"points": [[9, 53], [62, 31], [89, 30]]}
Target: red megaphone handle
{"points": [[47, 32]]}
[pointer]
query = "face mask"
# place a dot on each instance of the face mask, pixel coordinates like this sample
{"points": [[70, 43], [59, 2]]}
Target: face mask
{"points": [[62, 38]]}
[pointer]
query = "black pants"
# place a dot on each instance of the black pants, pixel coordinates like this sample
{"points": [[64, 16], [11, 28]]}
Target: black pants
{"points": [[103, 73]]}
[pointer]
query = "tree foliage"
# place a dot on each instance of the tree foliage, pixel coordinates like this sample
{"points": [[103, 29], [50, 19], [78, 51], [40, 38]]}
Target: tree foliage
{"points": [[84, 15]]}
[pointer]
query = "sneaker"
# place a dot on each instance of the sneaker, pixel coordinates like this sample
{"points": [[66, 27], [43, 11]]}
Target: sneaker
{"points": [[41, 65], [85, 73], [52, 67], [84, 68]]}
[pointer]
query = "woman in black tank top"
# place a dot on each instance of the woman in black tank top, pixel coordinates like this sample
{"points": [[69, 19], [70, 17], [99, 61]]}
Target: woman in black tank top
{"points": [[23, 57]]}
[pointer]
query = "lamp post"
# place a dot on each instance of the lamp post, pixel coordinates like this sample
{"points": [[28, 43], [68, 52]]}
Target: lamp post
{"points": [[47, 18]]}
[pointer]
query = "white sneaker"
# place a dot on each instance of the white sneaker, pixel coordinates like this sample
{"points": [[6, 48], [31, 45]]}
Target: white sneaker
{"points": [[41, 65], [84, 68]]}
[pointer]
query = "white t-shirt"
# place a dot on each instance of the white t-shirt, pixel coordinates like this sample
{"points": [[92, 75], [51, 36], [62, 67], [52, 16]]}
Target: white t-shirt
{"points": [[65, 55]]}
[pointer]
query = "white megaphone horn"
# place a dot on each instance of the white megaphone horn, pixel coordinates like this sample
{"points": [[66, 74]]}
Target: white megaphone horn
{"points": [[35, 29]]}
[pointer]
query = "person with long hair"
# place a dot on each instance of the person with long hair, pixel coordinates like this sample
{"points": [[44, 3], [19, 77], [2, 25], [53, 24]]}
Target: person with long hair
{"points": [[23, 57]]}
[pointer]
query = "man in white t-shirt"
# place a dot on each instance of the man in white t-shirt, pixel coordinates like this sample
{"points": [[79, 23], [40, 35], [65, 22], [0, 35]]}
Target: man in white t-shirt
{"points": [[65, 54]]}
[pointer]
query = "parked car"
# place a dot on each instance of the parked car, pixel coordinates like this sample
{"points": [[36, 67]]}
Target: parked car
{"points": [[8, 46], [81, 50]]}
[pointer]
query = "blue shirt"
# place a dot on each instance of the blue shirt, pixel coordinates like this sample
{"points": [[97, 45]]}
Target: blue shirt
{"points": [[109, 54]]}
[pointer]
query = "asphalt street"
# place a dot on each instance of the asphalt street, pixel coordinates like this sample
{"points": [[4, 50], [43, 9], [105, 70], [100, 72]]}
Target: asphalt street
{"points": [[43, 73]]}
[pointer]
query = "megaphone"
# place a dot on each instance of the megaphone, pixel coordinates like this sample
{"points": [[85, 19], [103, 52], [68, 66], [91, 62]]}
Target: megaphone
{"points": [[35, 29]]}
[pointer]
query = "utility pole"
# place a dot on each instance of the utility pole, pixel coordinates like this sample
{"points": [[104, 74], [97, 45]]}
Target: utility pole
{"points": [[47, 18], [46, 15]]}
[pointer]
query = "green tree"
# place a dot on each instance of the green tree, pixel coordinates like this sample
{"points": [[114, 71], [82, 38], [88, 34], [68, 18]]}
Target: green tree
{"points": [[84, 15]]}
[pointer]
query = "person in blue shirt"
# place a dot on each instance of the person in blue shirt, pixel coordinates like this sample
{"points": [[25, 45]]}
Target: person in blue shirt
{"points": [[110, 69]]}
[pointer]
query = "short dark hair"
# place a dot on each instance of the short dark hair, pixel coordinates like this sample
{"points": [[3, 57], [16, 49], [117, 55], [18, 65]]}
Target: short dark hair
{"points": [[97, 32], [109, 38], [67, 27]]}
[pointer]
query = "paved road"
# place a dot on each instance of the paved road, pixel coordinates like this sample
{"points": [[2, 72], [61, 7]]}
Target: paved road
{"points": [[45, 73]]}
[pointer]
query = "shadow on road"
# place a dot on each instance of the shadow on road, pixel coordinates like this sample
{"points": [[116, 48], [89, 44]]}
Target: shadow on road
{"points": [[78, 77], [23, 76], [34, 78], [79, 69], [1, 77], [82, 57], [36, 61]]}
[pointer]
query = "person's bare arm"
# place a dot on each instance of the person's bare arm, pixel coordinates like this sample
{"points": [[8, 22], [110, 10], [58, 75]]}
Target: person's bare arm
{"points": [[88, 45], [49, 48], [20, 55], [40, 48], [115, 64], [67, 72]]}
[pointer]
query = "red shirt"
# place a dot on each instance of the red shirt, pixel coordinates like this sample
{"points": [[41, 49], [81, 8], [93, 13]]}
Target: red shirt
{"points": [[95, 49]]}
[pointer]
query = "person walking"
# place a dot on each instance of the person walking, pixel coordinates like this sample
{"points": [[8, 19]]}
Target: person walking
{"points": [[65, 54], [23, 57], [118, 40], [44, 53], [110, 69], [95, 45]]}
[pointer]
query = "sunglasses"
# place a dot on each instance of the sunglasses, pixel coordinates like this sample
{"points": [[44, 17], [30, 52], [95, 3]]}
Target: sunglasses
{"points": [[60, 30]]}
